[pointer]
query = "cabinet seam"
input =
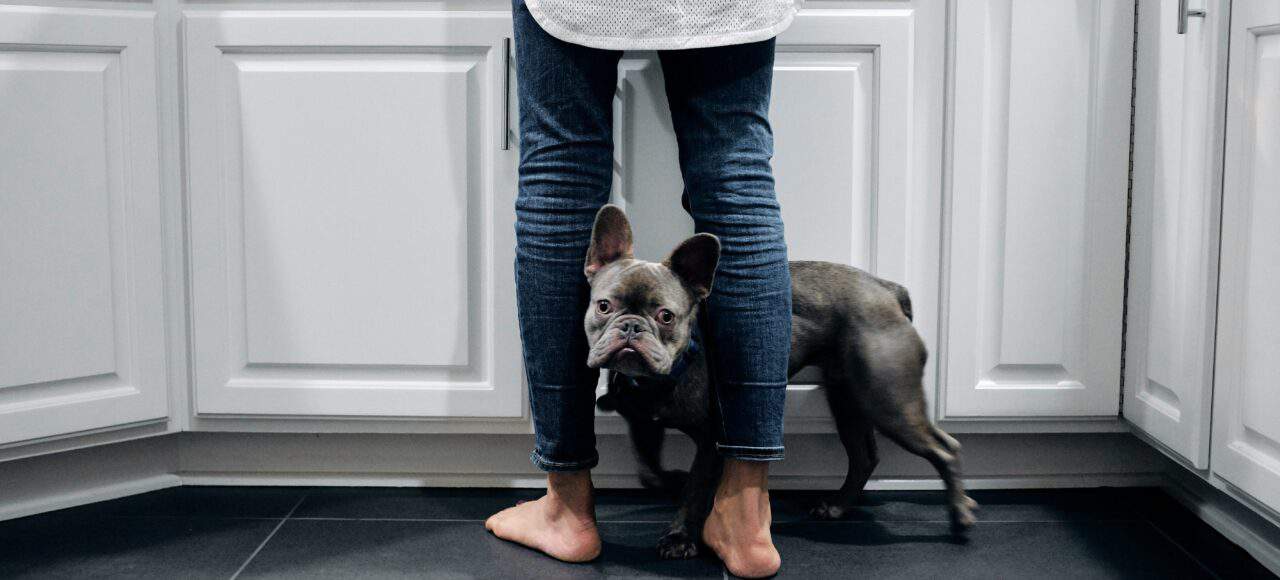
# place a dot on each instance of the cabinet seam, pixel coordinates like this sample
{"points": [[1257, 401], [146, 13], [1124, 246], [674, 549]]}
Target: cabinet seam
{"points": [[1128, 211]]}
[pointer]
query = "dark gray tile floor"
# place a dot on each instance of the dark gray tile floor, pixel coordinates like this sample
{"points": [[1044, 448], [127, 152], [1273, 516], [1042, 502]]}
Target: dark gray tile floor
{"points": [[239, 532]]}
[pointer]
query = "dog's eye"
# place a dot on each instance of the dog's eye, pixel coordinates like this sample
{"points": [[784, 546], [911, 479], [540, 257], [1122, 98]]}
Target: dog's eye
{"points": [[665, 316], [602, 306]]}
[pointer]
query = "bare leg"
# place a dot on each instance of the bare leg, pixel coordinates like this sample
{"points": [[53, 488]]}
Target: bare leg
{"points": [[738, 528], [561, 524]]}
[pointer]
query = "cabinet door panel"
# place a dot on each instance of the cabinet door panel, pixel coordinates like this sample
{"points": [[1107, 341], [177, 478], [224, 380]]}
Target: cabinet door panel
{"points": [[1246, 410], [81, 308], [350, 214], [848, 178], [1174, 242], [1037, 217]]}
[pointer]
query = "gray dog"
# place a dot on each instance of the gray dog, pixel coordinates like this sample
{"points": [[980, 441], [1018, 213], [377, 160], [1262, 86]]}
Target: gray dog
{"points": [[642, 325]]}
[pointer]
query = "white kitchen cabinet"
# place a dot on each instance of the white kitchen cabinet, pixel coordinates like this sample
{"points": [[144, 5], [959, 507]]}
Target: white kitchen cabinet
{"points": [[856, 97], [1246, 410], [1177, 176], [350, 214], [82, 334], [1036, 242]]}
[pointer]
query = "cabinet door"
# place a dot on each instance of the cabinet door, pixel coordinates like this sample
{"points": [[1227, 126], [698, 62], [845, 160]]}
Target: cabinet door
{"points": [[1246, 407], [853, 186], [1177, 164], [1037, 208], [351, 210], [82, 337]]}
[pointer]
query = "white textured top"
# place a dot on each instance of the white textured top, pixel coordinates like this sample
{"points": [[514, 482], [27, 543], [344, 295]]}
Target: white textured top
{"points": [[662, 24]]}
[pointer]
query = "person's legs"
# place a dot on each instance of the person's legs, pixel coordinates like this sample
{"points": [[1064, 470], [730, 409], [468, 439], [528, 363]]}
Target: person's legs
{"points": [[719, 107], [566, 169]]}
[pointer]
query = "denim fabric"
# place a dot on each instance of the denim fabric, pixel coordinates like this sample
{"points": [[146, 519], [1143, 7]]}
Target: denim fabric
{"points": [[719, 101]]}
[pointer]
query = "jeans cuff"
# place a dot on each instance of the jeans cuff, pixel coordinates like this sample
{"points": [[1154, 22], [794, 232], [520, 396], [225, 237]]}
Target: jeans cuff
{"points": [[745, 453], [547, 465]]}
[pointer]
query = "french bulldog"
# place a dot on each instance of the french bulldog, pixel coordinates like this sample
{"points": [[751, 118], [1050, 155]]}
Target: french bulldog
{"points": [[642, 325]]}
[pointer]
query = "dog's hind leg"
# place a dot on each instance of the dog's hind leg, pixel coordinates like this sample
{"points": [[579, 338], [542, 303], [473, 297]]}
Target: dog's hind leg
{"points": [[892, 367], [857, 434], [915, 434]]}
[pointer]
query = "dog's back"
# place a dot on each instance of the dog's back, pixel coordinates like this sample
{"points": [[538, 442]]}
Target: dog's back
{"points": [[829, 300]]}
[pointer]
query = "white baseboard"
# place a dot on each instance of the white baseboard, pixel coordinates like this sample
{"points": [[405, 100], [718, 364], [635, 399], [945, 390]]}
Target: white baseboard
{"points": [[87, 496], [619, 481], [1250, 529], [72, 478], [813, 461]]}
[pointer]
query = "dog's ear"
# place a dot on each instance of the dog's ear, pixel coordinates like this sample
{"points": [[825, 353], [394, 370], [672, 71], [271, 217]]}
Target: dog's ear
{"points": [[694, 261], [610, 239]]}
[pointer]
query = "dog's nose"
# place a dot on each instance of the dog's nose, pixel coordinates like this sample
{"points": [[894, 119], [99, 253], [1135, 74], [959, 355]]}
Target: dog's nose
{"points": [[631, 327]]}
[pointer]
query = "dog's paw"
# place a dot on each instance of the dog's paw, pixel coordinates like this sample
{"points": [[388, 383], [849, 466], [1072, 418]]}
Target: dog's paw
{"points": [[962, 518], [678, 545], [828, 511]]}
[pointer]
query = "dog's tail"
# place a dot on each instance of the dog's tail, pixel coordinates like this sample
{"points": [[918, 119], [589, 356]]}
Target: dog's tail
{"points": [[899, 292]]}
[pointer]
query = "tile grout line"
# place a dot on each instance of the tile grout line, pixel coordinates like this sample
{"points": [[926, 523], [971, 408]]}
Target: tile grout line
{"points": [[1184, 550], [268, 538], [629, 522], [776, 523]]}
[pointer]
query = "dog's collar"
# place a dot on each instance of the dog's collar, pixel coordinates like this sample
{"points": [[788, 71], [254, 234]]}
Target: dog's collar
{"points": [[683, 361]]}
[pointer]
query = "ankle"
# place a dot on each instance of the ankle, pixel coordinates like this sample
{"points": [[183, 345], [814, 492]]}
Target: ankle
{"points": [[743, 479], [572, 493]]}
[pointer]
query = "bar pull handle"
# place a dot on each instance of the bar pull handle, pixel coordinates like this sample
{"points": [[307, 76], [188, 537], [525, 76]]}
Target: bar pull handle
{"points": [[1184, 14], [506, 93]]}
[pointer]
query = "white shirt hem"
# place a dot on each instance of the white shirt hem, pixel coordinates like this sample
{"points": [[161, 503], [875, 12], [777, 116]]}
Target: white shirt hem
{"points": [[670, 43]]}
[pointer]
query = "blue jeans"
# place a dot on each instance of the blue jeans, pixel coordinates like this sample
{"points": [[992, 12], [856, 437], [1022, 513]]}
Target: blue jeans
{"points": [[719, 100]]}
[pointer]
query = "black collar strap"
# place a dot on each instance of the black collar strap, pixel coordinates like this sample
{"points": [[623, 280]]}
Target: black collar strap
{"points": [[684, 360]]}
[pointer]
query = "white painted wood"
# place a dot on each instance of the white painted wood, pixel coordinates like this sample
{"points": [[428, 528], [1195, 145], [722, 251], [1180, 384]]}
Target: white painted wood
{"points": [[852, 184], [350, 214], [1173, 264], [1037, 208], [1246, 406], [1235, 516], [82, 336], [813, 461], [85, 476]]}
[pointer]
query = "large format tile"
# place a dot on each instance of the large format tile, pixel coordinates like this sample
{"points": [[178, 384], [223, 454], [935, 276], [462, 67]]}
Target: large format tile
{"points": [[409, 503], [635, 506], [996, 506], [1204, 543], [206, 502], [1041, 550], [79, 545], [468, 504], [648, 506], [316, 549]]}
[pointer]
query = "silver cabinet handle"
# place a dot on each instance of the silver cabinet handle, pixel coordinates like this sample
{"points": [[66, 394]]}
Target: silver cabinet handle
{"points": [[506, 93], [1183, 14]]}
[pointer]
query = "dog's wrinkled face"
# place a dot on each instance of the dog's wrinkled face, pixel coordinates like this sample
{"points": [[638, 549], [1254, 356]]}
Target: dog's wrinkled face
{"points": [[641, 313]]}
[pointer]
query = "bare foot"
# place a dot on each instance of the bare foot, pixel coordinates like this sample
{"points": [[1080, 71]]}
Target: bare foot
{"points": [[738, 528], [561, 524]]}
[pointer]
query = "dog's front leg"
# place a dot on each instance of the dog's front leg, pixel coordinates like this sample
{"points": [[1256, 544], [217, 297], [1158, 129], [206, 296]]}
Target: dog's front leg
{"points": [[646, 440], [682, 538]]}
